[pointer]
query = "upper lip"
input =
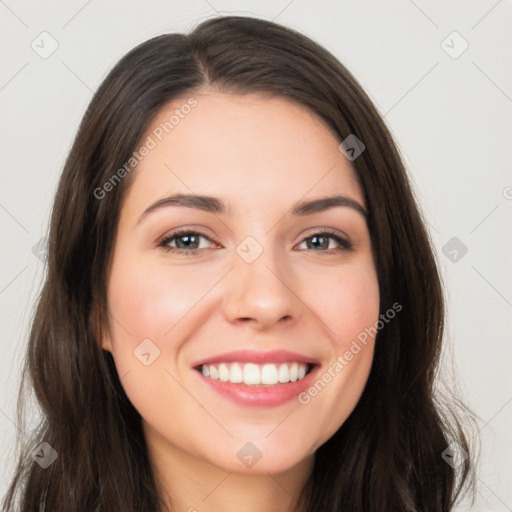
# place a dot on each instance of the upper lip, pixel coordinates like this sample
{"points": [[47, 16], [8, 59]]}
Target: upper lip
{"points": [[253, 356]]}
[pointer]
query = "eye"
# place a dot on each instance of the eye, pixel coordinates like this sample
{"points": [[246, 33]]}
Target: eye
{"points": [[321, 240], [189, 242]]}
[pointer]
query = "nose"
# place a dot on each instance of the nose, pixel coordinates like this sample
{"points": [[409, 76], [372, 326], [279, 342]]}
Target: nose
{"points": [[261, 293]]}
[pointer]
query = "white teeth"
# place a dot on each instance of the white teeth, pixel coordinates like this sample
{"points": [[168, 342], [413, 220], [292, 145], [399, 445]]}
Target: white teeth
{"points": [[269, 374], [214, 373], [294, 369], [252, 374], [236, 374], [284, 373], [223, 373]]}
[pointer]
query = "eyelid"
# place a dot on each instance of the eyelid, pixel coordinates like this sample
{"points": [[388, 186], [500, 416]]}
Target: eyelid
{"points": [[331, 231], [340, 237], [199, 230], [163, 240]]}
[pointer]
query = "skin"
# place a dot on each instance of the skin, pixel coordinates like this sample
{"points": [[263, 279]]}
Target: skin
{"points": [[261, 155]]}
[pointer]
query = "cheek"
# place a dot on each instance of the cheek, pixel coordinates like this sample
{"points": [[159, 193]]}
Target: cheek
{"points": [[349, 308], [148, 306], [153, 310], [150, 300], [349, 304]]}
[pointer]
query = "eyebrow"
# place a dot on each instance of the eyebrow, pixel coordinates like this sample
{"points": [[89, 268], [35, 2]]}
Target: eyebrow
{"points": [[217, 206]]}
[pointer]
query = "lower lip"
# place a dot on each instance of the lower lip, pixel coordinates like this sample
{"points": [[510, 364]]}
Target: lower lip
{"points": [[260, 396]]}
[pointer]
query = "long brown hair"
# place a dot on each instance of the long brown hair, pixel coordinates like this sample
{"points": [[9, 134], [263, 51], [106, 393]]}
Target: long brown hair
{"points": [[388, 455]]}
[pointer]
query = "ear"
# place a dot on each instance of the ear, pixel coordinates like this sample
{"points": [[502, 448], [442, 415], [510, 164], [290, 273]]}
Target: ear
{"points": [[100, 327], [106, 343]]}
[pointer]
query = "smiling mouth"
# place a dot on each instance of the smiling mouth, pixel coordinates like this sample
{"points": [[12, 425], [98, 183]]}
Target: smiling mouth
{"points": [[251, 374]]}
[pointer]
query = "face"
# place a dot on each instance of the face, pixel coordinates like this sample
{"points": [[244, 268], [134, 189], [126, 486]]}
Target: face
{"points": [[234, 340]]}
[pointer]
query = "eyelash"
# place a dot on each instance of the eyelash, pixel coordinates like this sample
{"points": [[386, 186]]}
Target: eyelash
{"points": [[345, 244]]}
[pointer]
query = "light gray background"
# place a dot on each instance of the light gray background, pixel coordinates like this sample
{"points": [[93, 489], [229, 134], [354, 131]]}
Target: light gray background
{"points": [[450, 114]]}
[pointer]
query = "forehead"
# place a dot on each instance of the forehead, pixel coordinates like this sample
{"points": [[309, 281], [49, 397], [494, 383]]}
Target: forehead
{"points": [[247, 148]]}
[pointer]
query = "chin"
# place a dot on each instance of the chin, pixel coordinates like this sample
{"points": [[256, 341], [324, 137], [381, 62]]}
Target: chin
{"points": [[261, 456]]}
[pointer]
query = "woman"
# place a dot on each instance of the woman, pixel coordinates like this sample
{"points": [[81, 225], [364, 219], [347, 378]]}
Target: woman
{"points": [[242, 309]]}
